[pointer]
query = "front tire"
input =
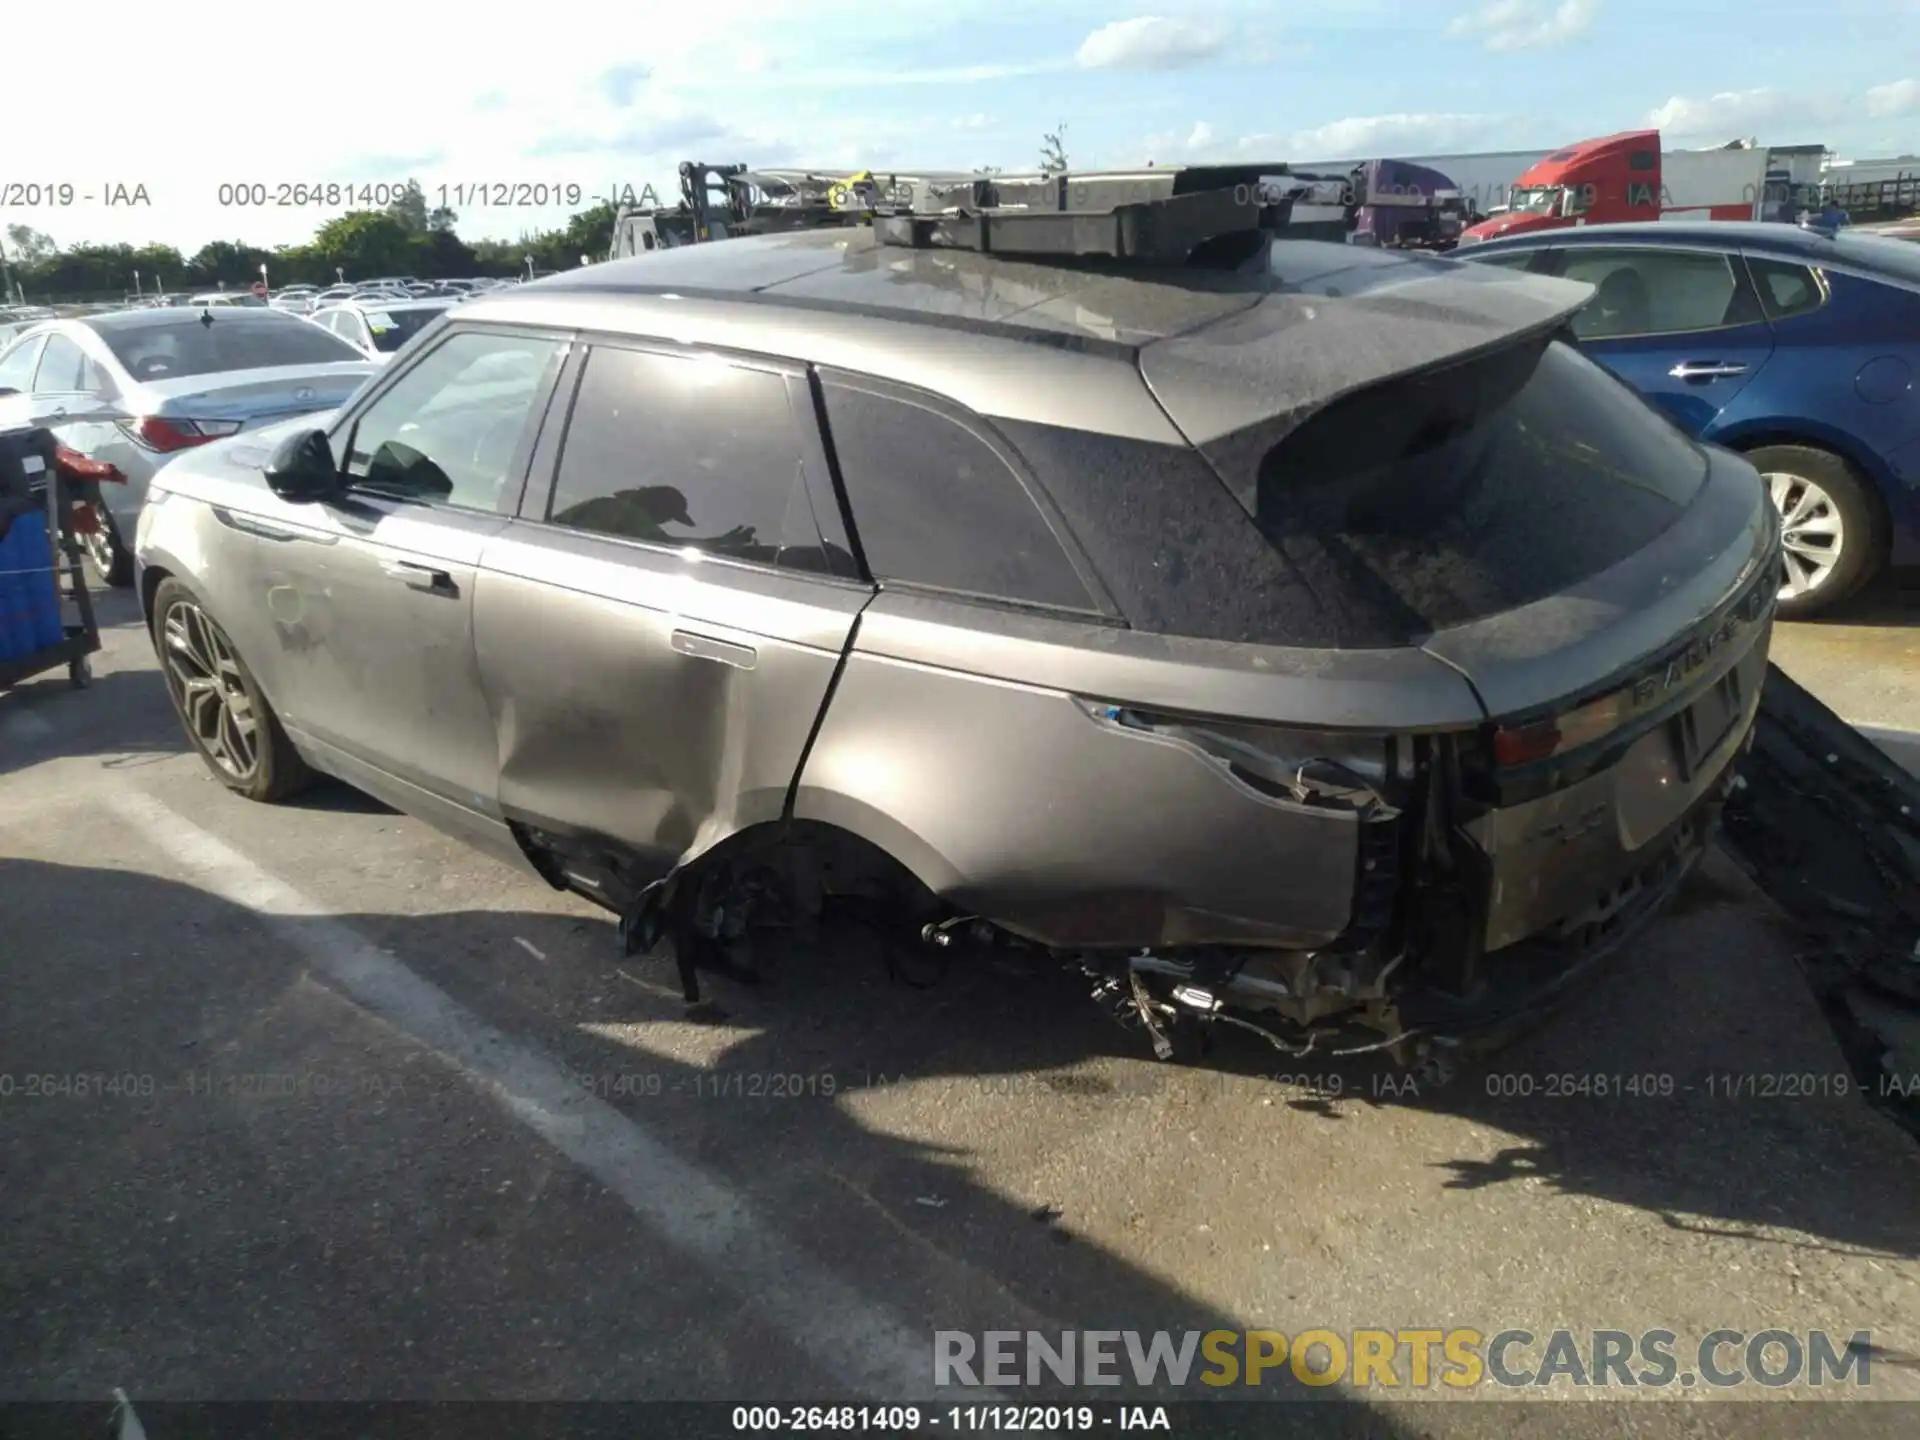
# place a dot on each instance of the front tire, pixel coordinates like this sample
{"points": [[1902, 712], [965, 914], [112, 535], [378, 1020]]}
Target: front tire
{"points": [[219, 703], [1832, 530]]}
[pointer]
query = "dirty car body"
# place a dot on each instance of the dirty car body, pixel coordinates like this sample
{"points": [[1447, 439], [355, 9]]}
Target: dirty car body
{"points": [[1320, 643]]}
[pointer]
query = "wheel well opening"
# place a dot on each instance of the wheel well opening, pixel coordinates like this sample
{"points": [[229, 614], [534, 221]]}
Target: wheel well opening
{"points": [[149, 585]]}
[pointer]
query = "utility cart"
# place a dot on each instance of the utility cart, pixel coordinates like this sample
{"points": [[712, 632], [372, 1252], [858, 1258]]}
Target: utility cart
{"points": [[47, 494]]}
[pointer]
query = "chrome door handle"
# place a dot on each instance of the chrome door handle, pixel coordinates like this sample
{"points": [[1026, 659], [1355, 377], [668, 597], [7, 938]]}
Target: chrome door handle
{"points": [[1704, 370], [710, 647], [419, 577]]}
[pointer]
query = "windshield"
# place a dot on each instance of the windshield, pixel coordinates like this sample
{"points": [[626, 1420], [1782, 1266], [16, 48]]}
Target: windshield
{"points": [[1535, 199], [393, 328], [185, 345]]}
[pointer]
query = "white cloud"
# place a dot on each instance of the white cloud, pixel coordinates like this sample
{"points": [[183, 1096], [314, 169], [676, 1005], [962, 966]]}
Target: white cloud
{"points": [[1736, 114], [1149, 42], [1200, 137], [1526, 24], [1376, 135], [1898, 97], [974, 122], [544, 108]]}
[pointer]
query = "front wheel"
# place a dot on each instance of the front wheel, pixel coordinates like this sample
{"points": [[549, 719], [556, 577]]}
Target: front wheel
{"points": [[219, 704], [1831, 532]]}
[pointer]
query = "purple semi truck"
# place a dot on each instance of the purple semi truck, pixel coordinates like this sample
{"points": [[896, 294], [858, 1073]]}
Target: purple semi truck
{"points": [[1398, 205]]}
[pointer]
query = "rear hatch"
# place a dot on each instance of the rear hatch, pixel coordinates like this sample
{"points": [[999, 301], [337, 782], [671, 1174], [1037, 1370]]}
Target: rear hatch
{"points": [[1442, 473]]}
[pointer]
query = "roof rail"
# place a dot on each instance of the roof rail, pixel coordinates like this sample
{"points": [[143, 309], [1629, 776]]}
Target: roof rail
{"points": [[1159, 215]]}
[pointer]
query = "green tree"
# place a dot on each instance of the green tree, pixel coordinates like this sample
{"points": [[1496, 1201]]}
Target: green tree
{"points": [[159, 266], [440, 218], [230, 262], [588, 233], [28, 246], [366, 243], [410, 209], [444, 255]]}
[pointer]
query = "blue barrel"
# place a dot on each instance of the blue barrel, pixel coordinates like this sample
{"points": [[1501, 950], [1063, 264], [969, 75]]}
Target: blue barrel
{"points": [[43, 592], [16, 624]]}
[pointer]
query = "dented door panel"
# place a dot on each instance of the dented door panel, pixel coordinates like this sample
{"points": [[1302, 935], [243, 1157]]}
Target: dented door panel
{"points": [[655, 699]]}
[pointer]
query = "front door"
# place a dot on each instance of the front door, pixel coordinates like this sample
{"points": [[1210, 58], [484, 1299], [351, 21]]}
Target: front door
{"points": [[1683, 327], [370, 596]]}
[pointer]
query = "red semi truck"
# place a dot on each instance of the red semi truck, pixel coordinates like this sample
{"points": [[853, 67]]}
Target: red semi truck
{"points": [[1628, 177]]}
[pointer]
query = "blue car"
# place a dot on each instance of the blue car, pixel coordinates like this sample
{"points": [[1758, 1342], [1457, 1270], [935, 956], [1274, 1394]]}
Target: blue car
{"points": [[1799, 347]]}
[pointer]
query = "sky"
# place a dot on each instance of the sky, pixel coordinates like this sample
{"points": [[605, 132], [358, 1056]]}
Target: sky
{"points": [[598, 96]]}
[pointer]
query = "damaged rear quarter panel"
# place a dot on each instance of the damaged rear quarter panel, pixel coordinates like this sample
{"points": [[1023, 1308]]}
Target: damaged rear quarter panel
{"points": [[955, 741]]}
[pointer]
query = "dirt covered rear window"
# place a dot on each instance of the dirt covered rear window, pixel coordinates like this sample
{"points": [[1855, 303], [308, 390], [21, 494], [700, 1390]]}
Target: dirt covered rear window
{"points": [[1441, 499]]}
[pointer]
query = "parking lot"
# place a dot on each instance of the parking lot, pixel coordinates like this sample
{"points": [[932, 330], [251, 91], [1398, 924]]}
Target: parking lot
{"points": [[313, 1103]]}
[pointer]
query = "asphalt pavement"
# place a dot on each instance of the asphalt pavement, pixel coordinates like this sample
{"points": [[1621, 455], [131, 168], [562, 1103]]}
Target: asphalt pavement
{"points": [[308, 1102]]}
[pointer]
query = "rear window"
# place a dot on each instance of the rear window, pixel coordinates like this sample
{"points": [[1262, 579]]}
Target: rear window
{"points": [[187, 345], [393, 328], [1441, 499]]}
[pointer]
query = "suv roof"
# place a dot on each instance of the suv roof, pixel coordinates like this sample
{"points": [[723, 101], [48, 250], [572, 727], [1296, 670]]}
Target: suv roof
{"points": [[831, 296]]}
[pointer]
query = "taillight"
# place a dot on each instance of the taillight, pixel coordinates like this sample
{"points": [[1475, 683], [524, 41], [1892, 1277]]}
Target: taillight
{"points": [[1543, 739], [85, 467], [152, 432]]}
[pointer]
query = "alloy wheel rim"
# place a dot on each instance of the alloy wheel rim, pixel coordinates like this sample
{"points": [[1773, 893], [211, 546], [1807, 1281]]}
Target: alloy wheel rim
{"points": [[204, 674], [100, 548], [1812, 534]]}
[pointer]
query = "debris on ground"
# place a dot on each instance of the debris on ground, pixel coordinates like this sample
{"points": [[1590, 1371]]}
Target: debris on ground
{"points": [[1829, 827]]}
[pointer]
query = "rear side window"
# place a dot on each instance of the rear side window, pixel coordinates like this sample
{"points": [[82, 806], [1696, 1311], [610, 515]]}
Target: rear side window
{"points": [[935, 504], [1441, 499], [1785, 289], [185, 344], [17, 365], [689, 451], [1656, 292], [64, 366]]}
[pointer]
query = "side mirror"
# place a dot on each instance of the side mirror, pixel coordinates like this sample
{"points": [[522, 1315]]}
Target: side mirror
{"points": [[303, 470]]}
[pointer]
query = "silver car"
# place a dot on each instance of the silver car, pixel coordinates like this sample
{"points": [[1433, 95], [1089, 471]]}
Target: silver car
{"points": [[378, 327], [1302, 635], [139, 388]]}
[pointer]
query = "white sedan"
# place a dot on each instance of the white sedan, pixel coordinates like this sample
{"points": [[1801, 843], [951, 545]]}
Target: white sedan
{"points": [[379, 327]]}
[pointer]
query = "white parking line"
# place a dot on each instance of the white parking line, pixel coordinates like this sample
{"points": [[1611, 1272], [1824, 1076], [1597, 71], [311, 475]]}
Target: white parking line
{"points": [[856, 1340]]}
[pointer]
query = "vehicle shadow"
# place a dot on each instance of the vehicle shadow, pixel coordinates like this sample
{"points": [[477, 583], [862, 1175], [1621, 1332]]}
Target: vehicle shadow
{"points": [[124, 715], [118, 1241], [93, 1231]]}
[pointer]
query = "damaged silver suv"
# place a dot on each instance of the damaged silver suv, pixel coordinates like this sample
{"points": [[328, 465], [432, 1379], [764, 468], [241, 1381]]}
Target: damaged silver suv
{"points": [[1281, 631]]}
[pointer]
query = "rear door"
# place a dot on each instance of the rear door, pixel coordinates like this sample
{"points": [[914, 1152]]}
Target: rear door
{"points": [[660, 628], [1682, 326]]}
